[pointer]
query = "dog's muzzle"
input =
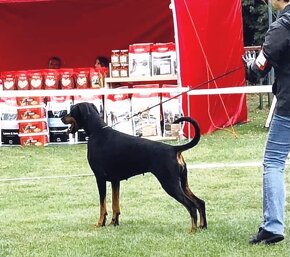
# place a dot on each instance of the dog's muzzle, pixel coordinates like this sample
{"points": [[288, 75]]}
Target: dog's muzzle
{"points": [[74, 127]]}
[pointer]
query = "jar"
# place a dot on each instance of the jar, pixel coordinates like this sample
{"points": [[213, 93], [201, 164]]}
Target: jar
{"points": [[115, 56], [115, 72], [124, 71], [124, 56]]}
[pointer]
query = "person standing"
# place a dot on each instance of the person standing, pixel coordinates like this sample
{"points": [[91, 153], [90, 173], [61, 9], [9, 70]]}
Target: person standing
{"points": [[101, 61], [54, 62], [275, 53]]}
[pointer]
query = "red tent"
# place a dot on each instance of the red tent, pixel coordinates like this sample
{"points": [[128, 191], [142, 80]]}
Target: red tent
{"points": [[208, 36], [210, 39]]}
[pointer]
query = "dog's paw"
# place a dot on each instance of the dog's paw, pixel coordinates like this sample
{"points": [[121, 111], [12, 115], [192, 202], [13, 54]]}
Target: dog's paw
{"points": [[98, 225], [115, 222], [192, 230], [101, 222]]}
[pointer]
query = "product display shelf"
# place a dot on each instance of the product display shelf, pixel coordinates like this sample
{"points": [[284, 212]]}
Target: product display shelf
{"points": [[159, 79], [109, 89]]}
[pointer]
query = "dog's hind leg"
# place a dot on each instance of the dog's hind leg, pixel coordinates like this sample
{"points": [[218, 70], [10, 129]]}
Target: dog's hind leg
{"points": [[199, 203], [173, 187], [115, 202], [103, 209]]}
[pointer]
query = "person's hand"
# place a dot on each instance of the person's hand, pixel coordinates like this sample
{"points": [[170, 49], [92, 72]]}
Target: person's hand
{"points": [[248, 58]]}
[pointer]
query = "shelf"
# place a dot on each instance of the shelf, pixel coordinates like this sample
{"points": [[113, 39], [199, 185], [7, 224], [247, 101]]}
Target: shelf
{"points": [[56, 92], [32, 120], [89, 92], [151, 79]]}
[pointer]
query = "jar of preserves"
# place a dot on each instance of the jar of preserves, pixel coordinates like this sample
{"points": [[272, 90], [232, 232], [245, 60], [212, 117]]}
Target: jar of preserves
{"points": [[115, 56], [124, 70], [124, 56], [116, 68]]}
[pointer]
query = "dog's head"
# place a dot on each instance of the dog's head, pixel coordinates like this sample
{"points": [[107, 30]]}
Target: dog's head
{"points": [[79, 115]]}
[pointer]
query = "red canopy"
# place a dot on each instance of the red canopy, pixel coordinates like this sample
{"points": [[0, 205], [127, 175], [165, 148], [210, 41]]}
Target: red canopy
{"points": [[209, 33], [77, 31], [210, 39]]}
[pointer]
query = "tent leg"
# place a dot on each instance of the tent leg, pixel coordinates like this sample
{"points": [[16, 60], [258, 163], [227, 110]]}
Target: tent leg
{"points": [[268, 121]]}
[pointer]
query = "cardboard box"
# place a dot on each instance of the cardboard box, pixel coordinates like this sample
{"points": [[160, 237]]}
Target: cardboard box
{"points": [[148, 119], [163, 59], [172, 110], [32, 127], [31, 113], [9, 124], [33, 140], [118, 111], [140, 60], [57, 107], [29, 101]]}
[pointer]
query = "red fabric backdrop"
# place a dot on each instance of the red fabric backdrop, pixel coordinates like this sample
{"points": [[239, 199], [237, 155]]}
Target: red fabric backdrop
{"points": [[212, 31], [32, 31], [77, 31]]}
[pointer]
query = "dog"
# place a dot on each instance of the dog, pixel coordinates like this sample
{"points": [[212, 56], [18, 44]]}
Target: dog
{"points": [[114, 156]]}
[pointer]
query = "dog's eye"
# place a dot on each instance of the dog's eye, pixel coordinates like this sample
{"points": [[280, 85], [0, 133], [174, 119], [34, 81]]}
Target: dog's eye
{"points": [[62, 113]]}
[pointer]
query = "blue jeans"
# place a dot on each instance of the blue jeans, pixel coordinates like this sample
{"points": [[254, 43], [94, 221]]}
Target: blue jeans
{"points": [[276, 152]]}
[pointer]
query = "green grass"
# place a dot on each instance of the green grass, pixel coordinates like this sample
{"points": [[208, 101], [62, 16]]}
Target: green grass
{"points": [[56, 217]]}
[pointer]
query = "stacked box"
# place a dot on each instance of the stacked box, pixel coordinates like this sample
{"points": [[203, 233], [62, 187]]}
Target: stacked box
{"points": [[32, 127], [31, 113], [119, 63], [57, 107], [163, 59], [30, 101], [147, 122], [140, 60], [118, 110], [32, 121], [33, 139], [172, 110], [9, 124]]}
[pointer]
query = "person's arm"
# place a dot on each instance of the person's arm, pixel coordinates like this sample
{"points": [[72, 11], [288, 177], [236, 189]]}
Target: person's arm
{"points": [[256, 68], [272, 51]]}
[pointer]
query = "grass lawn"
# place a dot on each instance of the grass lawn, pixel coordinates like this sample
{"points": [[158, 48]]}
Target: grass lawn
{"points": [[56, 217]]}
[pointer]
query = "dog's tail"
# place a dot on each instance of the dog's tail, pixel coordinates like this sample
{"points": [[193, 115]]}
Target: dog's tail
{"points": [[196, 138]]}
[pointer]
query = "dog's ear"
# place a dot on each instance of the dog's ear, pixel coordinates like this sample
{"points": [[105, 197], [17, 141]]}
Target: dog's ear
{"points": [[94, 107]]}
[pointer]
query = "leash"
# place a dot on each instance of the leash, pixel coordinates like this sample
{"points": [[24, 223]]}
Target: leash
{"points": [[181, 94]]}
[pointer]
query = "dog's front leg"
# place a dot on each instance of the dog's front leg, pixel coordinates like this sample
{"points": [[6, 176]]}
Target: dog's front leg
{"points": [[103, 209], [115, 202]]}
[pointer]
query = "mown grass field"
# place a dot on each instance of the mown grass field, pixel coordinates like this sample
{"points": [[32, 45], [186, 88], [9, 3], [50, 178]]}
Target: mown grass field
{"points": [[56, 216]]}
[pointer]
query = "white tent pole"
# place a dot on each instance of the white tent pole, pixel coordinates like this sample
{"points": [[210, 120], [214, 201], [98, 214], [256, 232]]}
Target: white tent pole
{"points": [[174, 15]]}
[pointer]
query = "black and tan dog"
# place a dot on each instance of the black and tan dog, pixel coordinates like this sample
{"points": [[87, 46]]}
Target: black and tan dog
{"points": [[114, 156]]}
